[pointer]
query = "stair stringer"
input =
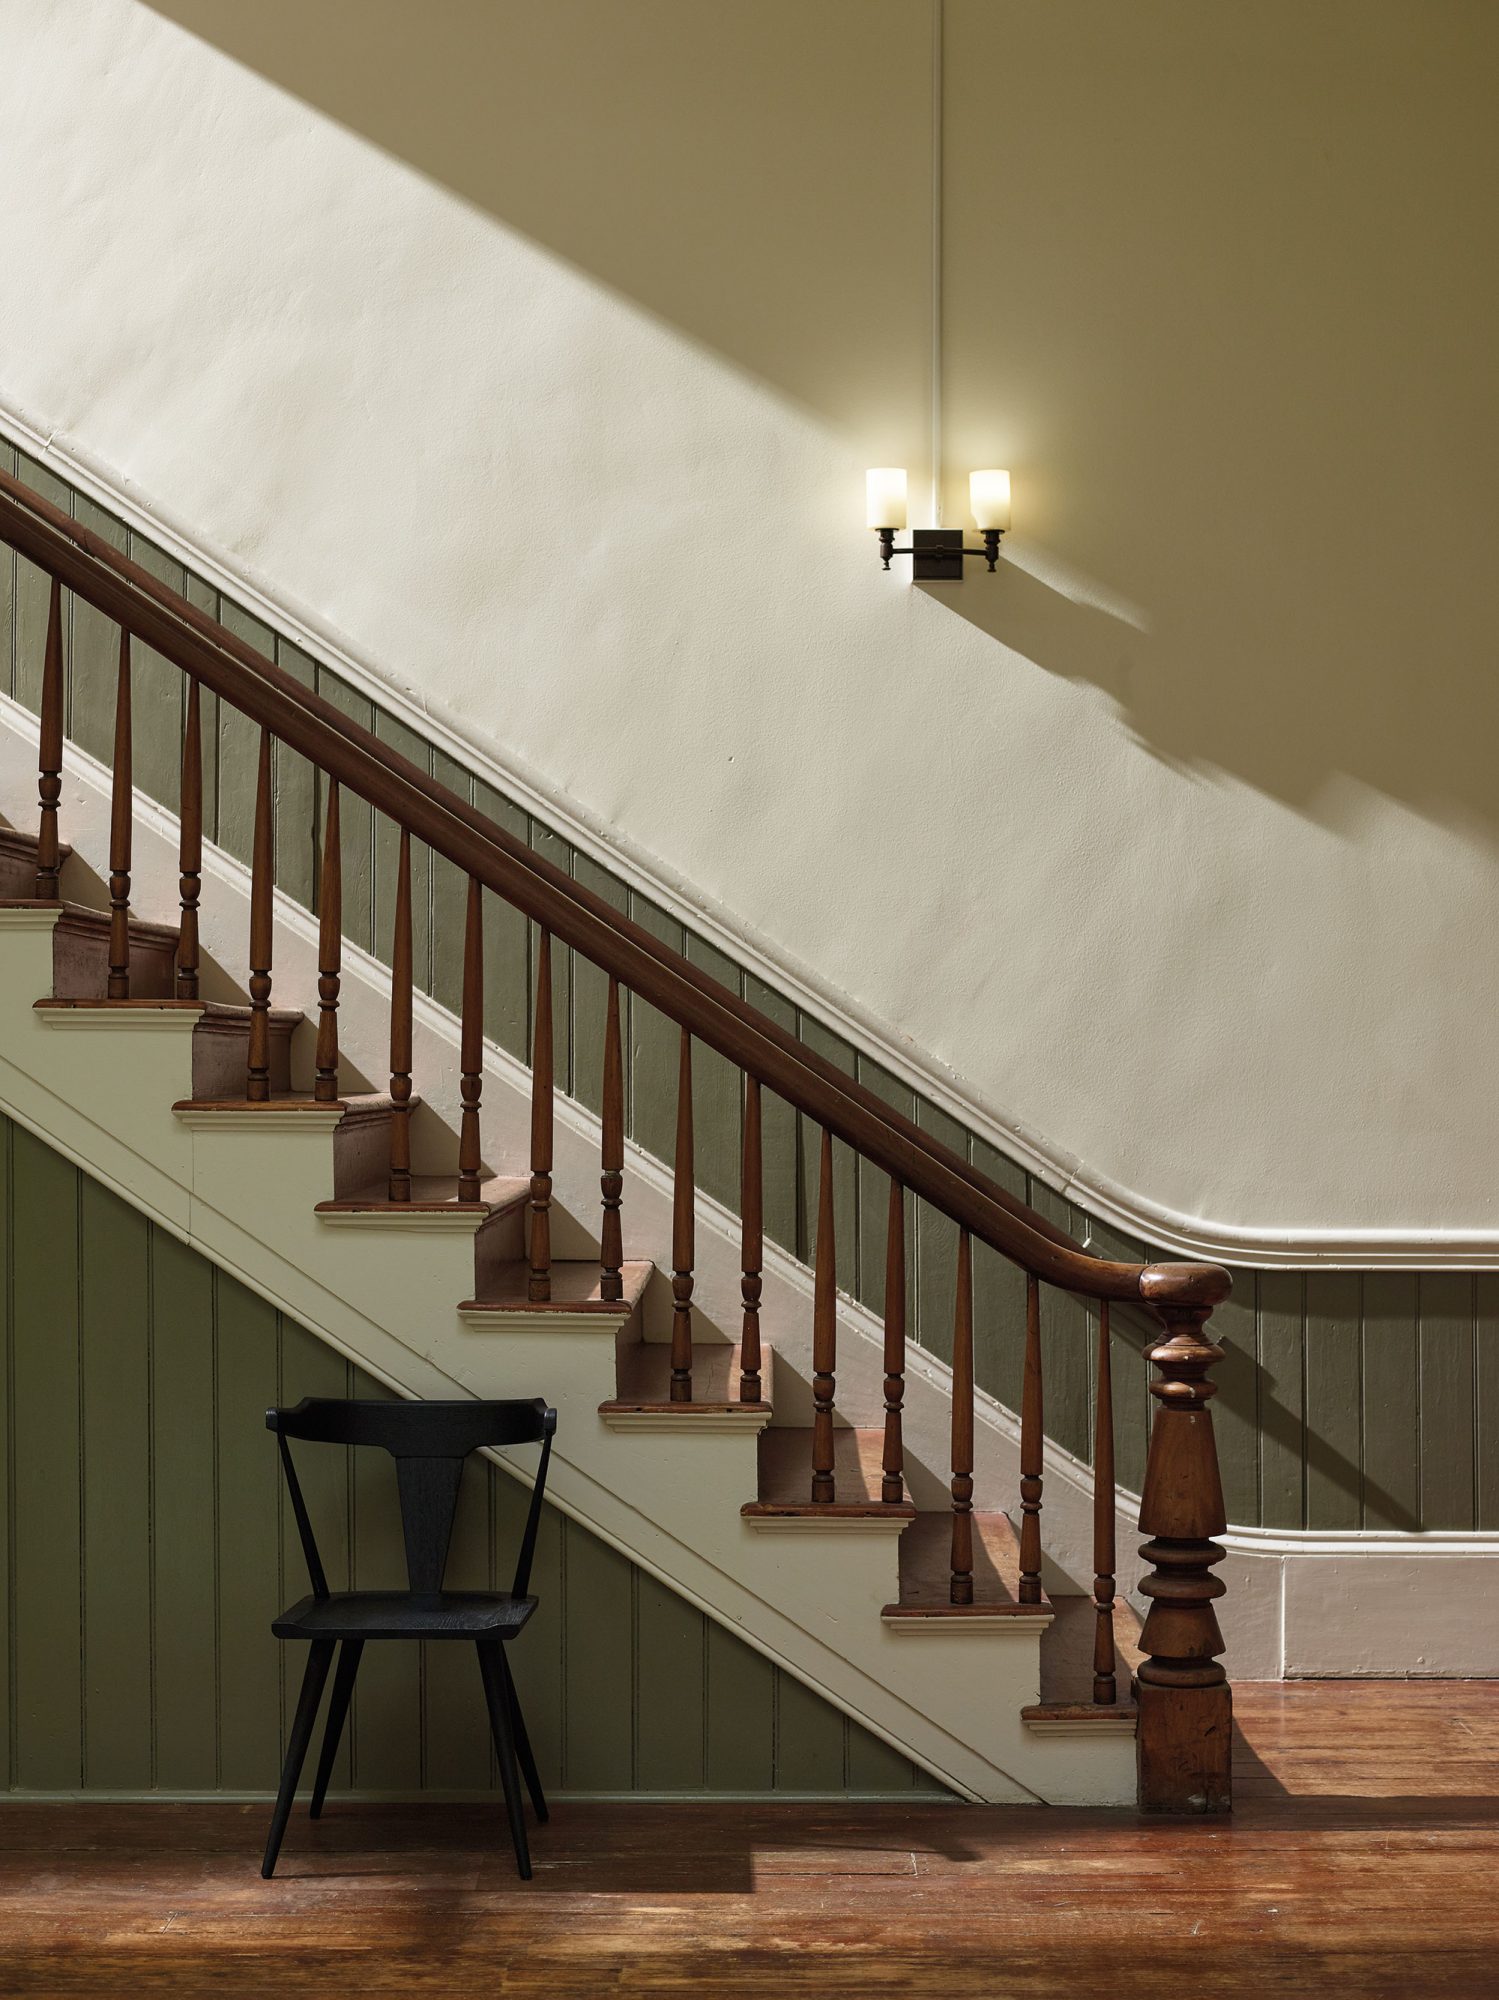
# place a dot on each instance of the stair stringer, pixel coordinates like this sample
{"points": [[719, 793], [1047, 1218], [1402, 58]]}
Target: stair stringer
{"points": [[101, 1092]]}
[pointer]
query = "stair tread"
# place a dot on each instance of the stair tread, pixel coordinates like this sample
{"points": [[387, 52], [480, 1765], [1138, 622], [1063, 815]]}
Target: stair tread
{"points": [[643, 1380], [926, 1571], [575, 1288], [210, 1012], [786, 1477], [1067, 1661], [365, 1104], [80, 917], [431, 1194], [14, 841]]}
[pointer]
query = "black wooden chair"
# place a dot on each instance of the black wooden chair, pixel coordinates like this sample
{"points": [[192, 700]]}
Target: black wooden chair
{"points": [[429, 1443]]}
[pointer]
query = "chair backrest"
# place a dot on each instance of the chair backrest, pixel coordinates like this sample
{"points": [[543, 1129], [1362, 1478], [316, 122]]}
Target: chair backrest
{"points": [[429, 1443]]}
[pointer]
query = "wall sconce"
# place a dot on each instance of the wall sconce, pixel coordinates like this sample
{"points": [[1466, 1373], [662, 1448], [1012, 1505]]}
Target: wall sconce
{"points": [[937, 553]]}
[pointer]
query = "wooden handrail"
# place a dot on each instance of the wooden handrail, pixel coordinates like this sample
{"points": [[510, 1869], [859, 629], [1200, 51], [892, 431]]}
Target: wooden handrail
{"points": [[699, 1004]]}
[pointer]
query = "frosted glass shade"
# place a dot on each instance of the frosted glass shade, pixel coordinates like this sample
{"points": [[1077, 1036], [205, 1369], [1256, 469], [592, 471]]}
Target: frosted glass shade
{"points": [[989, 497], [885, 494]]}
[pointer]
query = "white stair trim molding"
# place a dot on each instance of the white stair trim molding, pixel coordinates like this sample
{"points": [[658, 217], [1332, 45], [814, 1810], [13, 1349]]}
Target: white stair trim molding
{"points": [[1130, 1210]]}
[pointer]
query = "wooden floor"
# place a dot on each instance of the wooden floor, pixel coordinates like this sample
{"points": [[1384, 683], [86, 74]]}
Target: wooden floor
{"points": [[1363, 1860]]}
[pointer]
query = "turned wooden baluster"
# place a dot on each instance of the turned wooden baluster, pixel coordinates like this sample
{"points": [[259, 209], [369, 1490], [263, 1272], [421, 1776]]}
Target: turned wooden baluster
{"points": [[262, 884], [1105, 1686], [683, 1233], [329, 952], [1030, 1450], [752, 1244], [1185, 1726], [49, 752], [893, 1485], [824, 1330], [190, 850], [961, 1589], [612, 1155], [540, 1251], [471, 1051], [399, 1184], [121, 822]]}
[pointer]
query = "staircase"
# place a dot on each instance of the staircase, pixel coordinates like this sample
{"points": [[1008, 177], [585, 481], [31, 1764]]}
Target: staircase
{"points": [[730, 1461]]}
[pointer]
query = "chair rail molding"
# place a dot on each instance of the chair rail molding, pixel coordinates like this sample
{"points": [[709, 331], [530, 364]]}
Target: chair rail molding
{"points": [[1302, 1245]]}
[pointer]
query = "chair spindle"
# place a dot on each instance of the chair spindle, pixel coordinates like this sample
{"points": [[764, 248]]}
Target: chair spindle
{"points": [[752, 1244], [1030, 1450], [683, 1233], [49, 753], [960, 1590], [121, 825], [893, 1484], [262, 883], [399, 1184], [190, 849], [824, 1331], [540, 1285], [612, 1155], [471, 1046], [1105, 1686], [330, 952]]}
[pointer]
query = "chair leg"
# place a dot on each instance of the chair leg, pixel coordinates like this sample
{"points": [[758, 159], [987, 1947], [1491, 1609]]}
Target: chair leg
{"points": [[338, 1708], [492, 1667], [319, 1659], [523, 1743]]}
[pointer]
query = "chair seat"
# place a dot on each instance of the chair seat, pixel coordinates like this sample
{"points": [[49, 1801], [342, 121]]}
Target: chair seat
{"points": [[398, 1614]]}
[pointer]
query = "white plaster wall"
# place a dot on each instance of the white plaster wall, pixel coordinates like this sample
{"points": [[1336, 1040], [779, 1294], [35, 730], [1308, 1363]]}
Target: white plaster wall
{"points": [[537, 355]]}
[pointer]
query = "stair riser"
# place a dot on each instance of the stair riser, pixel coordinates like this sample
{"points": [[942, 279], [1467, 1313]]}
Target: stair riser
{"points": [[221, 1057], [80, 966]]}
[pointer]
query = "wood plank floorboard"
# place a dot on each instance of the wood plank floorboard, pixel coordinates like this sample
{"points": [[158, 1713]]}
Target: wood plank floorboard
{"points": [[1362, 1861]]}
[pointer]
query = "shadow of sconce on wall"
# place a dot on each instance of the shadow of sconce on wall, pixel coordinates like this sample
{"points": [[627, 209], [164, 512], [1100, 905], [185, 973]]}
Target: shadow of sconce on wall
{"points": [[937, 553]]}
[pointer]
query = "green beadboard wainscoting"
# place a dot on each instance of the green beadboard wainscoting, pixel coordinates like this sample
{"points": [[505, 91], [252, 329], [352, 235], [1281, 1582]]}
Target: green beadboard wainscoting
{"points": [[148, 1546], [1348, 1399]]}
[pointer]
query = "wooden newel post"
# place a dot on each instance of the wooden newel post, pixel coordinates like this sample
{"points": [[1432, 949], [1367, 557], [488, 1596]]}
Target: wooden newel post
{"points": [[1185, 1729]]}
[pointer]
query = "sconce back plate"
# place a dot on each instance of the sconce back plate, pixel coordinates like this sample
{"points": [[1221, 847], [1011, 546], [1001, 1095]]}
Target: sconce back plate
{"points": [[930, 561]]}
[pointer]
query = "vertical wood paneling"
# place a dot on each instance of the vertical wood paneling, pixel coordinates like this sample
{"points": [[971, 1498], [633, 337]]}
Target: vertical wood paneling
{"points": [[205, 598], [598, 1666], [537, 1663], [552, 847], [507, 952], [809, 1756], [1236, 1417], [455, 1732], [183, 1520], [998, 1296], [7, 622], [157, 693], [296, 794], [1282, 1439], [1334, 1470], [238, 746], [835, 1050], [115, 1354], [387, 845], [741, 1731], [1391, 1402], [935, 1244], [590, 990], [356, 827], [247, 1507], [32, 591], [1486, 1427], [655, 1045], [94, 651], [46, 1470], [449, 901], [778, 1147], [671, 1689], [1448, 1355], [1067, 1345], [717, 1094]]}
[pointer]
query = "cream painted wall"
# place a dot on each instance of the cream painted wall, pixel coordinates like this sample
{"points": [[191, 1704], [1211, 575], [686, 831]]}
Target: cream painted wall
{"points": [[537, 352]]}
